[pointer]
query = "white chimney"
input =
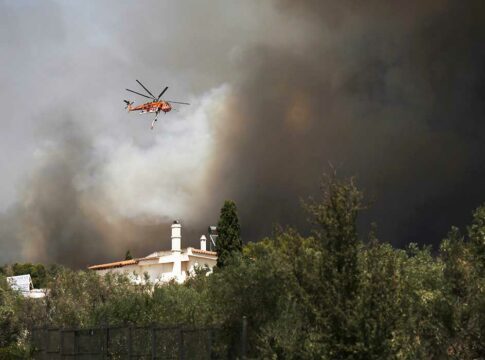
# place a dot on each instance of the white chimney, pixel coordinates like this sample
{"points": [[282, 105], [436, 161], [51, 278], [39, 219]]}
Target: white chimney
{"points": [[176, 236], [203, 243], [176, 250]]}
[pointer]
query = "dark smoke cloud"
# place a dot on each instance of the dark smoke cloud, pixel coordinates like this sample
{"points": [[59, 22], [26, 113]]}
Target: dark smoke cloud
{"points": [[391, 92]]}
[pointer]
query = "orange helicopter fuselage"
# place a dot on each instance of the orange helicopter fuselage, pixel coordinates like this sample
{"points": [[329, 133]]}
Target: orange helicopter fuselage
{"points": [[152, 107]]}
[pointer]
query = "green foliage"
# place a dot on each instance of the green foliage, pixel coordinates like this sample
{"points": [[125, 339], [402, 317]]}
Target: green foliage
{"points": [[229, 233], [463, 261], [335, 282], [12, 335], [38, 272], [476, 233]]}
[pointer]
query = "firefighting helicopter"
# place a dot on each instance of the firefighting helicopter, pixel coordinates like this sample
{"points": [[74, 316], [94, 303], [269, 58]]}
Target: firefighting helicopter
{"points": [[154, 106]]}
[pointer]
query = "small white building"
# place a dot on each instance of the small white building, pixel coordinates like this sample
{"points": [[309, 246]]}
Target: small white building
{"points": [[23, 284], [163, 266]]}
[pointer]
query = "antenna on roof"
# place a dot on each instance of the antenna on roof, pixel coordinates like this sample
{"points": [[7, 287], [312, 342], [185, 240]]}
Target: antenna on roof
{"points": [[212, 230]]}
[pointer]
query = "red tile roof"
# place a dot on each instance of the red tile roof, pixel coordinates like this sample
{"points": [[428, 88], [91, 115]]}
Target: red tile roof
{"points": [[114, 264], [205, 252]]}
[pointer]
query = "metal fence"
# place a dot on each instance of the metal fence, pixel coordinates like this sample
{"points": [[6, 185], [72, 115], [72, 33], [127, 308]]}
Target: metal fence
{"points": [[134, 342]]}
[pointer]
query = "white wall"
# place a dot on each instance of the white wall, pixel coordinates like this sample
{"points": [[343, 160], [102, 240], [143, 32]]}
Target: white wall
{"points": [[157, 272], [162, 272]]}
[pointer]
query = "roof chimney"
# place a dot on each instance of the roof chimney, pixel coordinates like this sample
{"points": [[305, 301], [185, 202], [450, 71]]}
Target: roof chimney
{"points": [[176, 236], [203, 244]]}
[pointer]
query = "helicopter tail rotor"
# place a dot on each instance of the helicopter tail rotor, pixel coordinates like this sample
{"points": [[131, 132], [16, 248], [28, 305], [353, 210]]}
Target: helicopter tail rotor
{"points": [[128, 104]]}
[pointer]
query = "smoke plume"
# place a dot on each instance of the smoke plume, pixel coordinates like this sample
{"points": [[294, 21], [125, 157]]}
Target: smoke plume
{"points": [[390, 92]]}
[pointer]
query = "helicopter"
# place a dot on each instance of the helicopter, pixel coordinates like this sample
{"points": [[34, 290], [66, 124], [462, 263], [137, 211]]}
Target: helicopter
{"points": [[154, 106]]}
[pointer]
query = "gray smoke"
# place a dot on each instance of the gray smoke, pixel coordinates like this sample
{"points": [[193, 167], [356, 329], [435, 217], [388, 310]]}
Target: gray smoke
{"points": [[390, 92]]}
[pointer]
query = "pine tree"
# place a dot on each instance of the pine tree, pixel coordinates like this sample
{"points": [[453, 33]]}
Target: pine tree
{"points": [[128, 255], [229, 233]]}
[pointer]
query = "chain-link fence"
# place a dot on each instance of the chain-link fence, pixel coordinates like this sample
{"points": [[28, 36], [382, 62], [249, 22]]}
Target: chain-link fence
{"points": [[134, 342]]}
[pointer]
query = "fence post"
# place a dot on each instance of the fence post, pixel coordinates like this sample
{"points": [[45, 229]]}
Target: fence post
{"points": [[61, 345], [244, 336], [76, 343], [154, 342], [209, 343], [181, 345], [61, 350], [44, 342], [106, 345], [130, 342]]}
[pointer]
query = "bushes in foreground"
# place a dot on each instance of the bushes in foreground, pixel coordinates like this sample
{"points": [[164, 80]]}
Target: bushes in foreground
{"points": [[330, 295]]}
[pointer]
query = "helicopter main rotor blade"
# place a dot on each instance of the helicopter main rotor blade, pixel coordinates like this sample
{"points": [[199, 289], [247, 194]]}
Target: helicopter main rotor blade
{"points": [[138, 93], [177, 102], [145, 89], [163, 92]]}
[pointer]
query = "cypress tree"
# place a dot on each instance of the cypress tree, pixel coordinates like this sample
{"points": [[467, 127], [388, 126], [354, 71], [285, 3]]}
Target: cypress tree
{"points": [[229, 233], [128, 255]]}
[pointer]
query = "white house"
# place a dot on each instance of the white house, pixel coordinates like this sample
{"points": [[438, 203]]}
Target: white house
{"points": [[23, 284], [163, 266]]}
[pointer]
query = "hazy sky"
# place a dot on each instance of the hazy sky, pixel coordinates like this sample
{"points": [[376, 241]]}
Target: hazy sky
{"points": [[390, 92]]}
